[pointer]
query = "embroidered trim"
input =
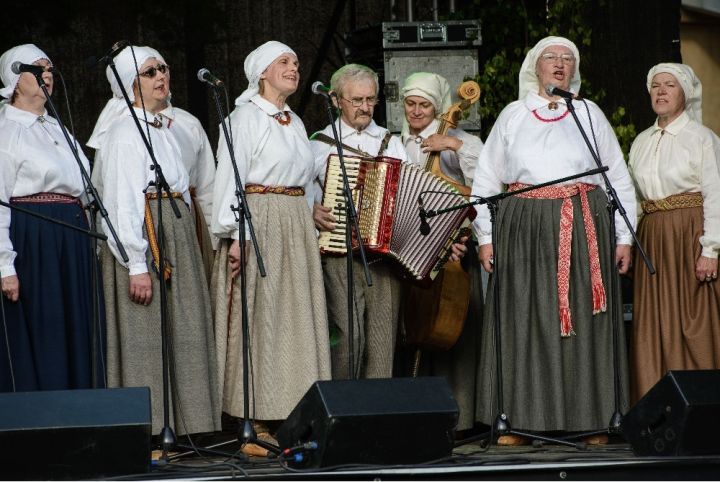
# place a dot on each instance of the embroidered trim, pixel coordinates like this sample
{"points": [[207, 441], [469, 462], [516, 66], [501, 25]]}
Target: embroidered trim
{"points": [[565, 247], [288, 191], [47, 198], [554, 119]]}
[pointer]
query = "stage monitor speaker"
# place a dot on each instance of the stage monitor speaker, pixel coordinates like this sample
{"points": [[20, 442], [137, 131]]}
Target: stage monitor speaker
{"points": [[680, 415], [72, 434], [373, 421]]}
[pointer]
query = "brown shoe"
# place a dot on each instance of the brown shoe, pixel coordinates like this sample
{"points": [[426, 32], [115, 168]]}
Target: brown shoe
{"points": [[255, 450], [511, 440], [599, 439]]}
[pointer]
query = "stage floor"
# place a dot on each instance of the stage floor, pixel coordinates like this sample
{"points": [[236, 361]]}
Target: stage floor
{"points": [[614, 461]]}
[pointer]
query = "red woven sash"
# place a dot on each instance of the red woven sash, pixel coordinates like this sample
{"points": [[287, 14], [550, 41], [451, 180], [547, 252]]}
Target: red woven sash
{"points": [[563, 266]]}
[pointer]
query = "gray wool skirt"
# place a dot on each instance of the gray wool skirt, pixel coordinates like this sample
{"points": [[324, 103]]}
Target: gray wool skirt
{"points": [[550, 382], [133, 331]]}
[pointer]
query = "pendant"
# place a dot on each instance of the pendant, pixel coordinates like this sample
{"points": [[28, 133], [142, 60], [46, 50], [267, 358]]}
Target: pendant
{"points": [[553, 105], [283, 118], [156, 123], [418, 140]]}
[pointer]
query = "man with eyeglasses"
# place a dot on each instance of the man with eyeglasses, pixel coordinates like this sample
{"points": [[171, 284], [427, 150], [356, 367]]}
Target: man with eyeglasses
{"points": [[376, 307]]}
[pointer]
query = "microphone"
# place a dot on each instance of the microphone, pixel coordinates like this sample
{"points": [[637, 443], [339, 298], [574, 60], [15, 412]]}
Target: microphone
{"points": [[204, 75], [18, 68], [105, 59], [424, 226], [552, 90], [319, 89]]}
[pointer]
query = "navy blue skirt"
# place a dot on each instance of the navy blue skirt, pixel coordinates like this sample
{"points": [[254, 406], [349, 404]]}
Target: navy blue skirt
{"points": [[45, 337]]}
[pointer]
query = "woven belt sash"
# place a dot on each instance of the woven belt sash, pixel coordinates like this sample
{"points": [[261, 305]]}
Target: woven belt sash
{"points": [[563, 267], [286, 190], [47, 198], [152, 238], [676, 201]]}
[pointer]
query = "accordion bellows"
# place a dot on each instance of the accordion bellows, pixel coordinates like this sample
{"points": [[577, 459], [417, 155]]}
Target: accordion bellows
{"points": [[385, 191]]}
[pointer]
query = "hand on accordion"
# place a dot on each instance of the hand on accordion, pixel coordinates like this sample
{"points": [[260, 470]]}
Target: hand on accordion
{"points": [[323, 217], [459, 249]]}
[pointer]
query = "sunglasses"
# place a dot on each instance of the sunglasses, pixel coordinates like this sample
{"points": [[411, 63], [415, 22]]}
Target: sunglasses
{"points": [[152, 71]]}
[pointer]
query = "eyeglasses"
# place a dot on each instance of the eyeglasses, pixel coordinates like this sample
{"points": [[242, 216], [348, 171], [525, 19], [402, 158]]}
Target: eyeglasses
{"points": [[550, 57], [152, 71], [359, 101]]}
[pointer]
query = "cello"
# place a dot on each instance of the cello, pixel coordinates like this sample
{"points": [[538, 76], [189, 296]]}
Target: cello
{"points": [[435, 315]]}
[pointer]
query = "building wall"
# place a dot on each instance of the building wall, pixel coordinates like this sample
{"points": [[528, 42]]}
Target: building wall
{"points": [[700, 49]]}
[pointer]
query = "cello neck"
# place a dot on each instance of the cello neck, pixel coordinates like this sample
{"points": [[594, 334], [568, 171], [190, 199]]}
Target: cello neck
{"points": [[434, 157]]}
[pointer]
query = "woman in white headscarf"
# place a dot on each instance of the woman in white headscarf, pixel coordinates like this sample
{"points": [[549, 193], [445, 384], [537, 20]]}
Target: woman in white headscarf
{"points": [[676, 167], [555, 267], [195, 149], [425, 97], [47, 310], [132, 289], [287, 316]]}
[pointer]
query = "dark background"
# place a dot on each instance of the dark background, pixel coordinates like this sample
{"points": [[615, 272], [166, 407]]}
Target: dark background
{"points": [[628, 37]]}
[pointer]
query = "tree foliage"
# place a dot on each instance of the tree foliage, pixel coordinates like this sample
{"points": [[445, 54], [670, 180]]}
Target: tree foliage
{"points": [[510, 29]]}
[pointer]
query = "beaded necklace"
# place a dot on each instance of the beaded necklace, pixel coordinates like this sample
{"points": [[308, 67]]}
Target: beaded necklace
{"points": [[553, 119]]}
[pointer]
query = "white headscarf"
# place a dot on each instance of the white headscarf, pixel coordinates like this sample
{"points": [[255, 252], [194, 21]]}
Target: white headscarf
{"points": [[116, 106], [691, 86], [432, 87], [27, 54], [528, 81], [255, 64]]}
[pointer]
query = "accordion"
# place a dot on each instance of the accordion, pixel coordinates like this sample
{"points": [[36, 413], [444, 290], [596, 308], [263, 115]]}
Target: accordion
{"points": [[385, 192]]}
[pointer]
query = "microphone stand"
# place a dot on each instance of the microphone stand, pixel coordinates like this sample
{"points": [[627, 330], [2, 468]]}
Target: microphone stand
{"points": [[613, 205], [167, 435], [94, 204], [89, 232], [501, 424], [242, 214], [352, 224]]}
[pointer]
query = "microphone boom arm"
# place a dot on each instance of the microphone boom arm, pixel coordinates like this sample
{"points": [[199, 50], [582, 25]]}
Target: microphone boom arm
{"points": [[431, 213]]}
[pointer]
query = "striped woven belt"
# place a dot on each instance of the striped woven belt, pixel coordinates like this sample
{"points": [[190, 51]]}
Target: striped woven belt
{"points": [[565, 247], [47, 198], [152, 237], [286, 190], [676, 201]]}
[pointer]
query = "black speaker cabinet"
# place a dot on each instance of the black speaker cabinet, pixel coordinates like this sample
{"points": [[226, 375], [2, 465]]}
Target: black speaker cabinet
{"points": [[72, 434], [376, 421], [680, 415]]}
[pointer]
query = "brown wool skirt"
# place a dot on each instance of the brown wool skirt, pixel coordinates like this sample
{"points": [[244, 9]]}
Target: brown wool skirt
{"points": [[676, 318]]}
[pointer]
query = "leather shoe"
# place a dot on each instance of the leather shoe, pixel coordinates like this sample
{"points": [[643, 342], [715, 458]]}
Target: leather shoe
{"points": [[511, 440], [599, 439], [255, 450]]}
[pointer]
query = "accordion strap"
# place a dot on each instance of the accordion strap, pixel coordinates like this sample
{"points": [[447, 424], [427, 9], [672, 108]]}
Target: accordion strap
{"points": [[385, 142], [329, 140]]}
